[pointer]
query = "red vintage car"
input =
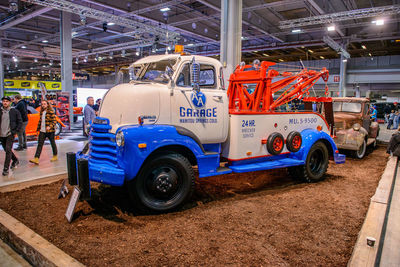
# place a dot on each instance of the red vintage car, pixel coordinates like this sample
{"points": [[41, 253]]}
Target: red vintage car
{"points": [[33, 120]]}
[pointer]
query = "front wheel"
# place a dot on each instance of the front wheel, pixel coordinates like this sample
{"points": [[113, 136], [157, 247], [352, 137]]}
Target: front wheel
{"points": [[360, 153], [163, 184], [316, 164]]}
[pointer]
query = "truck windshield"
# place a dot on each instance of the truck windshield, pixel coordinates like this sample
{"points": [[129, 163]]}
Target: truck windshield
{"points": [[152, 72], [347, 107]]}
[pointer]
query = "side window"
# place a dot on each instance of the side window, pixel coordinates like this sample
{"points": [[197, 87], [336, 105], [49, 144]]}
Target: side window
{"points": [[207, 76], [184, 77]]}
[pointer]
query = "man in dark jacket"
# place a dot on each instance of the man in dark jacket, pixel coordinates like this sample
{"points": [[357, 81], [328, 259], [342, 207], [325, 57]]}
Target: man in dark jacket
{"points": [[10, 124], [20, 105]]}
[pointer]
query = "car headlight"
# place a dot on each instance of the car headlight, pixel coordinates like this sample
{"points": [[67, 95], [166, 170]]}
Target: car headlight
{"points": [[356, 127], [120, 139]]}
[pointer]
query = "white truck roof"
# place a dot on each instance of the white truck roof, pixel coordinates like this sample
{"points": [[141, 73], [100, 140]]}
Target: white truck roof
{"points": [[156, 58]]}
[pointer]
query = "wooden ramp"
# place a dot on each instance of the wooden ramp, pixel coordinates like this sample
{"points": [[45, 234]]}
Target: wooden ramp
{"points": [[382, 223]]}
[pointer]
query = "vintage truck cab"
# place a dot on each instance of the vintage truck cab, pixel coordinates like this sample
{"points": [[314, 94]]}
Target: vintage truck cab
{"points": [[354, 128], [176, 114]]}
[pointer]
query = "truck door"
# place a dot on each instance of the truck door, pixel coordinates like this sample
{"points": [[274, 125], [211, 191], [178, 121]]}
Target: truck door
{"points": [[366, 117], [205, 112]]}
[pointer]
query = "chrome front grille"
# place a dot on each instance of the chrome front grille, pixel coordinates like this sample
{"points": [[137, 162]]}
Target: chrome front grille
{"points": [[103, 149]]}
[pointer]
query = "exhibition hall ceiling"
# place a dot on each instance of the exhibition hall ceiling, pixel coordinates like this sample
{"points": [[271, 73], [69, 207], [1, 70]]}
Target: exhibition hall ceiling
{"points": [[108, 32]]}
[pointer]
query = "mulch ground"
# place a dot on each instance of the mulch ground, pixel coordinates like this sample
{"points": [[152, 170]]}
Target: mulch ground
{"points": [[255, 219]]}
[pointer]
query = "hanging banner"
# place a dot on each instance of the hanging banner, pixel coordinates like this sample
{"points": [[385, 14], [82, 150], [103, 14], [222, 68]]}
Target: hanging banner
{"points": [[33, 85], [63, 108]]}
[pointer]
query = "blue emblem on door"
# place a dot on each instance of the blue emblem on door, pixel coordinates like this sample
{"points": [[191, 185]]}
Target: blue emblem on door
{"points": [[198, 99]]}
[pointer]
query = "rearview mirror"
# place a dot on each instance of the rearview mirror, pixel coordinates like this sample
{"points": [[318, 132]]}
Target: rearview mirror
{"points": [[169, 72], [195, 75]]}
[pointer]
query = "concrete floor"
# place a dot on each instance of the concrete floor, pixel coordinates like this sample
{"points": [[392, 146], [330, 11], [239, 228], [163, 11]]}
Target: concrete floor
{"points": [[390, 251], [27, 171], [384, 133], [10, 258]]}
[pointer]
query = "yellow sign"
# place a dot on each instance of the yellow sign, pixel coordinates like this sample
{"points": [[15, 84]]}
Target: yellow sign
{"points": [[33, 85]]}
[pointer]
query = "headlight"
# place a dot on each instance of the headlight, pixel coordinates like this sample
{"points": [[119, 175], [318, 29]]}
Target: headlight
{"points": [[356, 127], [120, 139]]}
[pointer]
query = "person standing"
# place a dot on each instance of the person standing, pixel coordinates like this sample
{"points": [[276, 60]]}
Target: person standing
{"points": [[374, 113], [10, 124], [387, 112], [46, 129], [96, 106], [20, 105], [88, 115]]}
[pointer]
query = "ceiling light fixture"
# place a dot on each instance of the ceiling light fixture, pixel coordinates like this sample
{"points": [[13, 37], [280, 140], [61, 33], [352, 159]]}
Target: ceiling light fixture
{"points": [[165, 9], [266, 55], [321, 57], [45, 41], [35, 60], [331, 28], [111, 23], [296, 30], [363, 47], [378, 22], [23, 46], [344, 60], [309, 50]]}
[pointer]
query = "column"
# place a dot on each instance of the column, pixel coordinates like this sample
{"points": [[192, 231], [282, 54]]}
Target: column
{"points": [[231, 36], [1, 73], [343, 68], [358, 92], [116, 75], [66, 59]]}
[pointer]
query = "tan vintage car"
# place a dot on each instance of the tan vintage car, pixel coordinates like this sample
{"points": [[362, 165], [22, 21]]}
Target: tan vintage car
{"points": [[354, 129]]}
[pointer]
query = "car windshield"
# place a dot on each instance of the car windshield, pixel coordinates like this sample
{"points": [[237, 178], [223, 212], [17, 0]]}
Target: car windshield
{"points": [[347, 107], [152, 72]]}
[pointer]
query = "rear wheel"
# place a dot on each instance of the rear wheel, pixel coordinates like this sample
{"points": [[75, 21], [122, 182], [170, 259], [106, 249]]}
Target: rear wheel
{"points": [[316, 164], [163, 184]]}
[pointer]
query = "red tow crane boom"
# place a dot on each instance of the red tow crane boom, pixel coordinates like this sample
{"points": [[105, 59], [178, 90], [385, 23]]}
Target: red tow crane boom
{"points": [[243, 99]]}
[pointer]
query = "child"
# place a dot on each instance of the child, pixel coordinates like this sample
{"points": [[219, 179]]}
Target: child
{"points": [[391, 118]]}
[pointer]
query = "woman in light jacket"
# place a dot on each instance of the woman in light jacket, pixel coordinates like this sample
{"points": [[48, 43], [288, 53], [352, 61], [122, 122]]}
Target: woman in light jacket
{"points": [[46, 128]]}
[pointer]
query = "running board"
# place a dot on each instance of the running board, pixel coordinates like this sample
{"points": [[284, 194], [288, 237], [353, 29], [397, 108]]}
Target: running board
{"points": [[267, 165], [370, 141], [219, 171]]}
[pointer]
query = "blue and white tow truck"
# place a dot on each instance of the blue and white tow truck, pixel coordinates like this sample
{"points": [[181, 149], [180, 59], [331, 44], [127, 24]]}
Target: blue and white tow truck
{"points": [[174, 115]]}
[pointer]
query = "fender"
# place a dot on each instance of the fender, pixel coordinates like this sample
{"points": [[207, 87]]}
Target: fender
{"points": [[310, 137], [132, 157]]}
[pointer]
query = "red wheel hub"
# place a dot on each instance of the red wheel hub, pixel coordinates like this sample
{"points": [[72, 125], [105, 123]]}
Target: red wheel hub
{"points": [[296, 143], [277, 144]]}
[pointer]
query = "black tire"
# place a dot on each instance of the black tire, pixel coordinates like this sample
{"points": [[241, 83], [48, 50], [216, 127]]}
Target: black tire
{"points": [[163, 184], [58, 129], [271, 147], [360, 153], [289, 141], [317, 162]]}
